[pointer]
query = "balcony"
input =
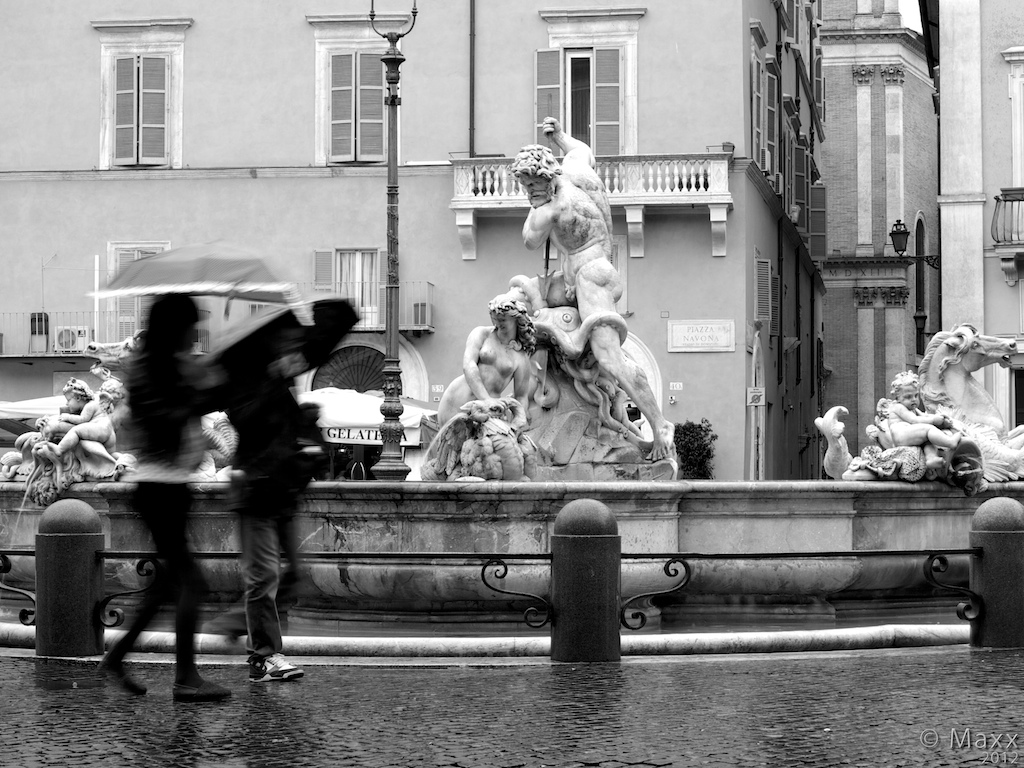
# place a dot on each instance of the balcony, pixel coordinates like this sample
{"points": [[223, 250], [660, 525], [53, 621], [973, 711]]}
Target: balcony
{"points": [[415, 298], [635, 183], [1008, 231], [25, 334]]}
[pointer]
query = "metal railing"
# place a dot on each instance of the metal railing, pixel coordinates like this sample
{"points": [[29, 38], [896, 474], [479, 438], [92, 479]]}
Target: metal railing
{"points": [[63, 332], [495, 566], [1008, 216], [415, 310]]}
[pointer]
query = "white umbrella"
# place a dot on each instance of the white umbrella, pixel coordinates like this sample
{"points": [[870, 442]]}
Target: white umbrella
{"points": [[206, 269], [347, 416]]}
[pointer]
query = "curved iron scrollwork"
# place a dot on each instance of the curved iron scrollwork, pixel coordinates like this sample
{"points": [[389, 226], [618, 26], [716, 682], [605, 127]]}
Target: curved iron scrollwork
{"points": [[671, 573], [972, 607], [114, 617], [533, 616], [26, 616]]}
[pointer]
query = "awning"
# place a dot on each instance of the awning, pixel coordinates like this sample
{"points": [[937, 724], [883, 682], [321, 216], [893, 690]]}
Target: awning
{"points": [[32, 409], [347, 416]]}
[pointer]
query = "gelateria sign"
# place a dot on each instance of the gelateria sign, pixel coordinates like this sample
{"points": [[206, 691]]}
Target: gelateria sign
{"points": [[701, 336]]}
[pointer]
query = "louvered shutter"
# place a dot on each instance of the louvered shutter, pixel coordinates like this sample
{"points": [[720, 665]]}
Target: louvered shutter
{"points": [[771, 118], [763, 292], [323, 270], [548, 72], [127, 306], [125, 110], [800, 184], [370, 131], [607, 101], [756, 108], [818, 208], [776, 305], [153, 110], [343, 148], [145, 303], [819, 84]]}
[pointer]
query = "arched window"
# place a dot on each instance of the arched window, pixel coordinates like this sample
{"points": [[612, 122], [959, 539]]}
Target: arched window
{"points": [[358, 368]]}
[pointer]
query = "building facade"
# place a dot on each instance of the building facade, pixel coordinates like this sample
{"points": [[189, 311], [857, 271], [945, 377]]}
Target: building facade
{"points": [[976, 50], [881, 166], [264, 126]]}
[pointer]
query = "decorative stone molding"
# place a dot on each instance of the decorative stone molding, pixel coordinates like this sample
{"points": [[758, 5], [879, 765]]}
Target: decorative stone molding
{"points": [[894, 295], [863, 74], [719, 214], [890, 295], [865, 297], [892, 75], [465, 221], [635, 227]]}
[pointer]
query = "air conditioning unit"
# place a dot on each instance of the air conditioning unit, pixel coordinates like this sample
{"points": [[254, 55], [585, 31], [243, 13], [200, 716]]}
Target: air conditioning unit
{"points": [[70, 339]]}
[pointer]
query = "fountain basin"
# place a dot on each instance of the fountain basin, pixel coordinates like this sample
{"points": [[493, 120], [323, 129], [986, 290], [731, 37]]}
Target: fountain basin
{"points": [[411, 521]]}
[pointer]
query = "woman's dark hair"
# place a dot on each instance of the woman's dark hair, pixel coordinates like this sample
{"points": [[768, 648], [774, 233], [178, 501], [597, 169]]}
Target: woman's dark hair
{"points": [[159, 393]]}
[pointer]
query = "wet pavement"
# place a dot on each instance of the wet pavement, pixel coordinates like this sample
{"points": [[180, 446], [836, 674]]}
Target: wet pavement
{"points": [[947, 706]]}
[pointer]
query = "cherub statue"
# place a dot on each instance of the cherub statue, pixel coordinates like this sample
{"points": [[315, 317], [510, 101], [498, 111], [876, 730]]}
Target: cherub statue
{"points": [[902, 420], [79, 396], [496, 355], [482, 442], [91, 435]]}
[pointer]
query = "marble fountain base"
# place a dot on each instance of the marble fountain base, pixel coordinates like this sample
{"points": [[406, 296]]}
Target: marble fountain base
{"points": [[418, 550]]}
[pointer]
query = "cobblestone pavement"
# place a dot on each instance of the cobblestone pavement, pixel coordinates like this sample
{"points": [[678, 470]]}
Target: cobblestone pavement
{"points": [[906, 707]]}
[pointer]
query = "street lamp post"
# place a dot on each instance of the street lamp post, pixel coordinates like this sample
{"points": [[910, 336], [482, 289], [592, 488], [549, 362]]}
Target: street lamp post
{"points": [[391, 466], [899, 234]]}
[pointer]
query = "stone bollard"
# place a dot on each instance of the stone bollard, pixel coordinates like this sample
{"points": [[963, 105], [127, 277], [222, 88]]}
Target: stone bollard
{"points": [[69, 580], [585, 564], [998, 575]]}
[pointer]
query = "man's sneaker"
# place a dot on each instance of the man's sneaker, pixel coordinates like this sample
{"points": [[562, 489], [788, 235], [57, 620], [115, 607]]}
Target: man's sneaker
{"points": [[273, 667]]}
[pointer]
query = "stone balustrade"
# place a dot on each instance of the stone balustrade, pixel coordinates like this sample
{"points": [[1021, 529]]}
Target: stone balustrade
{"points": [[485, 186]]}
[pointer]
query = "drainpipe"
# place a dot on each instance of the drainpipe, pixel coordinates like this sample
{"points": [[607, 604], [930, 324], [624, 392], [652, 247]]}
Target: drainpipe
{"points": [[472, 78]]}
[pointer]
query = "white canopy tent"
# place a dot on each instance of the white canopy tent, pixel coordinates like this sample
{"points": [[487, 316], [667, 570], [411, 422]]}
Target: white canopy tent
{"points": [[354, 418], [32, 409], [347, 416]]}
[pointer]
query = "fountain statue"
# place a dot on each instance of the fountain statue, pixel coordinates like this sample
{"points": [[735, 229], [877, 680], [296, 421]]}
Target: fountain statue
{"points": [[85, 441], [938, 424], [577, 383]]}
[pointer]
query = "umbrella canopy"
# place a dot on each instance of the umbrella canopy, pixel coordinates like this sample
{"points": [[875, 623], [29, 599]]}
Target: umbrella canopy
{"points": [[244, 348], [347, 416], [204, 269]]}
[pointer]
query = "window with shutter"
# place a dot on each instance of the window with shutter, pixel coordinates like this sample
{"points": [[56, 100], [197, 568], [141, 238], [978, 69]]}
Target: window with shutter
{"points": [[582, 88], [763, 293], [757, 108], [607, 101], [771, 123], [819, 85], [548, 88], [140, 110], [324, 263], [370, 110], [776, 310], [817, 222], [343, 135], [355, 107], [357, 274], [141, 79], [132, 311], [800, 184]]}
